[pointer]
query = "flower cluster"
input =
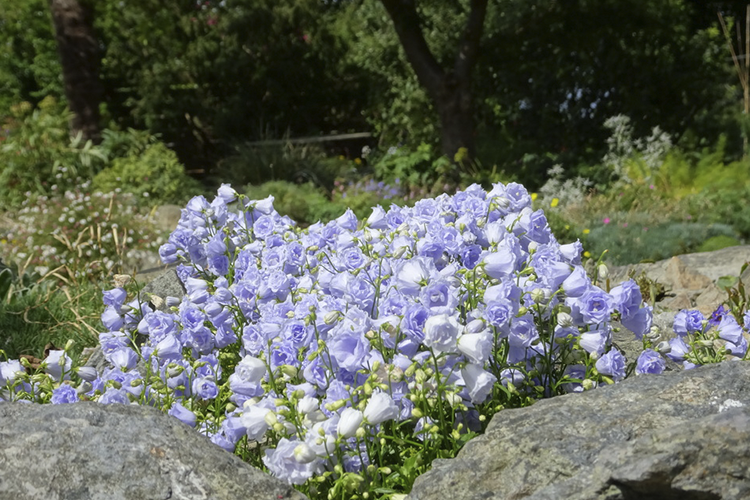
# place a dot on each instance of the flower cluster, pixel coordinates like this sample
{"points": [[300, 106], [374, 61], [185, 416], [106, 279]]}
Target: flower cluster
{"points": [[561, 192], [386, 191], [702, 340], [321, 353], [623, 150]]}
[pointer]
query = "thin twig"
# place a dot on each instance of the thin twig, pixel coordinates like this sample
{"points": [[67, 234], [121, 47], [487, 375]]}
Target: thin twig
{"points": [[728, 37]]}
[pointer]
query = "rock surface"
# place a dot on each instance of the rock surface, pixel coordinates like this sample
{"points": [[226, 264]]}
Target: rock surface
{"points": [[90, 451], [166, 217], [167, 284], [691, 279], [681, 435]]}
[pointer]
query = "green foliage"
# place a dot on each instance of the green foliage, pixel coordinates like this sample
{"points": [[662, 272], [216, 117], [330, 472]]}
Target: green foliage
{"points": [[196, 74], [737, 298], [712, 189], [47, 313], [29, 66], [256, 164], [727, 205], [35, 310], [15, 282], [38, 156], [422, 166], [636, 243], [717, 243], [562, 228], [651, 291], [684, 173], [397, 105], [307, 204], [155, 174], [543, 93], [304, 203], [364, 194], [119, 143]]}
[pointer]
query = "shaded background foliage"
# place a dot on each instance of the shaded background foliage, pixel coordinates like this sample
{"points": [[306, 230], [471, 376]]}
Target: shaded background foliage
{"points": [[209, 77]]}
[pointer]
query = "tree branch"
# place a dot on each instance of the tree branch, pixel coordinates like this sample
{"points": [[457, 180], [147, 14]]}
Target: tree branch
{"points": [[468, 49], [409, 31]]}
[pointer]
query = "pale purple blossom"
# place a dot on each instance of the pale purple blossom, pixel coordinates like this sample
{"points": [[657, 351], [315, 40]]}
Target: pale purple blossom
{"points": [[650, 362]]}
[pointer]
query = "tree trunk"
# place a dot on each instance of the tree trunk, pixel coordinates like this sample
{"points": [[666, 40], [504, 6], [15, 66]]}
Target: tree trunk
{"points": [[79, 55], [454, 106], [449, 90]]}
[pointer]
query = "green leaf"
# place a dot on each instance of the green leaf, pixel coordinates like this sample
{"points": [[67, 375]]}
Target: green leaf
{"points": [[727, 282], [6, 281]]}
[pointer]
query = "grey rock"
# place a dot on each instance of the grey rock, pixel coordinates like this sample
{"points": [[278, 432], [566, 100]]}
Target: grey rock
{"points": [[681, 435], [147, 265], [691, 279], [168, 284], [144, 265], [88, 451], [664, 320], [94, 357], [627, 343], [166, 217]]}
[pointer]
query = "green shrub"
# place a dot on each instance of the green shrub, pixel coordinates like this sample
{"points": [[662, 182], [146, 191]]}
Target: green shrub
{"points": [[304, 203], [364, 194], [256, 164], [130, 142], [725, 204], [38, 155], [307, 204], [155, 174], [412, 167], [717, 243], [637, 243], [683, 174], [561, 227]]}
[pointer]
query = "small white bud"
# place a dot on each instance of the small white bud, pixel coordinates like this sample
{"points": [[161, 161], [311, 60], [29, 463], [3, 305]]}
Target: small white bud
{"points": [[537, 295], [564, 320], [663, 347], [331, 317]]}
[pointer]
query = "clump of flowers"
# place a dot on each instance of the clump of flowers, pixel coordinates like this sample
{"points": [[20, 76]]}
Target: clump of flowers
{"points": [[558, 191], [379, 189], [79, 233], [628, 157], [701, 340], [345, 357]]}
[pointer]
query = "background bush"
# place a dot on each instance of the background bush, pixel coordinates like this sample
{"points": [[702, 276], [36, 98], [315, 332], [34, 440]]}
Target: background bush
{"points": [[38, 156], [304, 203], [154, 174], [255, 164], [637, 243]]}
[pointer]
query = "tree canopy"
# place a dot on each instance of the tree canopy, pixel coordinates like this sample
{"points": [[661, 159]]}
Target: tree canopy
{"points": [[210, 74]]}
